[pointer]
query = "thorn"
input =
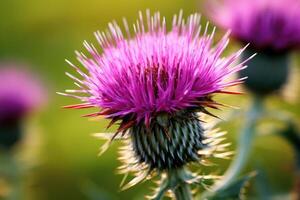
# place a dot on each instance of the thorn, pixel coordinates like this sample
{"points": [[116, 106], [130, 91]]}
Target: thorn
{"points": [[79, 106], [229, 92], [96, 114], [114, 136], [123, 127], [104, 147], [112, 122], [210, 114], [103, 112]]}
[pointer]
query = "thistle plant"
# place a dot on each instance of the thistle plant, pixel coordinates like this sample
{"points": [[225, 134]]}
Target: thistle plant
{"points": [[156, 84], [273, 31], [20, 94]]}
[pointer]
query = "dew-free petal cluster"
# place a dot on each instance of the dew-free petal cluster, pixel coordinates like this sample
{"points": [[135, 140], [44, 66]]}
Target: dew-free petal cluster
{"points": [[151, 70], [265, 24]]}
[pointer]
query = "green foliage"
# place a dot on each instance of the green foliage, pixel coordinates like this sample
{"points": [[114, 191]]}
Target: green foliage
{"points": [[235, 190], [292, 134]]}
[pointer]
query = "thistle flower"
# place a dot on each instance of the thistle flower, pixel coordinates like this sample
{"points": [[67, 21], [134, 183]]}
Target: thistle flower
{"points": [[265, 24], [20, 93], [155, 83], [272, 29]]}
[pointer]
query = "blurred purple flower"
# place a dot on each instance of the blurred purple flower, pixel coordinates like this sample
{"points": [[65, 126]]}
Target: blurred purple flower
{"points": [[20, 93], [265, 24], [155, 71]]}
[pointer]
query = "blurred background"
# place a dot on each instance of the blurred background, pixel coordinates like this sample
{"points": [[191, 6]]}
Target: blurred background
{"points": [[58, 145]]}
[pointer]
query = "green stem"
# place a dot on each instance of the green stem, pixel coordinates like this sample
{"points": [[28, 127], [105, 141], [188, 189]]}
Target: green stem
{"points": [[178, 184], [244, 146], [183, 192]]}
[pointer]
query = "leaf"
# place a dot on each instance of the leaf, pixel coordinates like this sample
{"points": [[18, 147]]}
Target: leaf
{"points": [[292, 134], [234, 190]]}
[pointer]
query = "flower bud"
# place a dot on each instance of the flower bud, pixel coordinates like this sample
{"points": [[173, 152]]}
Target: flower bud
{"points": [[267, 72], [168, 146]]}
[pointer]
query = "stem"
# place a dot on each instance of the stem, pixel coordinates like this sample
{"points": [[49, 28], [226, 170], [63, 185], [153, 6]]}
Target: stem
{"points": [[183, 192], [178, 184], [244, 145]]}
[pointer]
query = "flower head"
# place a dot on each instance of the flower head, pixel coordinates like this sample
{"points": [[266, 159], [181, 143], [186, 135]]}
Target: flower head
{"points": [[156, 82], [154, 71], [265, 24], [20, 93]]}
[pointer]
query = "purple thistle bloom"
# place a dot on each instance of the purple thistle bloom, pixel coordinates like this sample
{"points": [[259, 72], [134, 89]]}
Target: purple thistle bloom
{"points": [[265, 24], [154, 71], [155, 83], [20, 93]]}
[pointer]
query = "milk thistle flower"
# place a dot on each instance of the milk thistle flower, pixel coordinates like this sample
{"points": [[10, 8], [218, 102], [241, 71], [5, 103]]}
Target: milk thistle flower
{"points": [[156, 83], [272, 29], [20, 94]]}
